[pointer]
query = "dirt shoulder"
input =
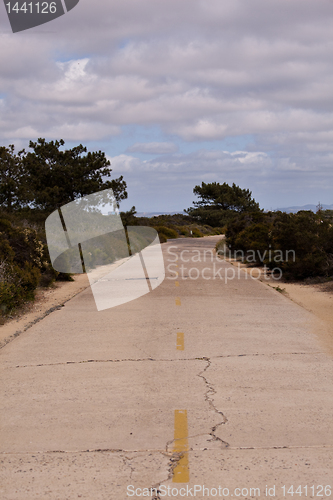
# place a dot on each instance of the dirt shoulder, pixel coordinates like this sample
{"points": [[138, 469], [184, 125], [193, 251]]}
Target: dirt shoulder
{"points": [[46, 301]]}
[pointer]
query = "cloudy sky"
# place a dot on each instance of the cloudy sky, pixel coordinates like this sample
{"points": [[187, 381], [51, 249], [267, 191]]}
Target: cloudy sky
{"points": [[177, 92]]}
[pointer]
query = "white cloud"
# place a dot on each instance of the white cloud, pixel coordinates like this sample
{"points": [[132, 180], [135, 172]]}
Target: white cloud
{"points": [[153, 148], [213, 162], [170, 179], [199, 71]]}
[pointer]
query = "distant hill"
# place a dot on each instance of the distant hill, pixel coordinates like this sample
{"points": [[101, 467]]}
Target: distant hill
{"points": [[155, 214], [313, 208], [288, 210]]}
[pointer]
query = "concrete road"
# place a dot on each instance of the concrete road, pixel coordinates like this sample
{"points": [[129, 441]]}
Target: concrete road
{"points": [[208, 386]]}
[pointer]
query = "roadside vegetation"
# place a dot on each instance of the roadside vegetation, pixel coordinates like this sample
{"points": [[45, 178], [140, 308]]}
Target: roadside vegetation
{"points": [[33, 184], [171, 226], [300, 245]]}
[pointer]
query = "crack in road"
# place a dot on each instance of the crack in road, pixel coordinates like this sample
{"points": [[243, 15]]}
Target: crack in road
{"points": [[173, 462], [209, 399], [127, 463], [116, 450], [158, 360]]}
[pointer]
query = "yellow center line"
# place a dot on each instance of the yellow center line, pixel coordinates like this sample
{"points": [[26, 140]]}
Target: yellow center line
{"points": [[181, 473], [180, 341], [177, 282], [178, 303]]}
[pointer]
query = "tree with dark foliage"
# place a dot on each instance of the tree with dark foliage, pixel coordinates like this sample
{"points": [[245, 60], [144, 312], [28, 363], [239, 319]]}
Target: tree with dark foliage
{"points": [[53, 177], [10, 177], [218, 202]]}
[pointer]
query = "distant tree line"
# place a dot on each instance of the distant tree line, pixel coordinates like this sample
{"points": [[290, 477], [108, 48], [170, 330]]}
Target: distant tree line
{"points": [[259, 235]]}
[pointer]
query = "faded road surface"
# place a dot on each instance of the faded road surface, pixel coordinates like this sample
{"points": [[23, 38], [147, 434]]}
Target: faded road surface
{"points": [[201, 382]]}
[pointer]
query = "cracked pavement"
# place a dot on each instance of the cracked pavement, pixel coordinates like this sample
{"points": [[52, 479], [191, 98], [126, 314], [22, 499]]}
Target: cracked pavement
{"points": [[88, 398]]}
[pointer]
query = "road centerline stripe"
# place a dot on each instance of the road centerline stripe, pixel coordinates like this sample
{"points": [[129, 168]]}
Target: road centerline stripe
{"points": [[180, 341], [181, 473]]}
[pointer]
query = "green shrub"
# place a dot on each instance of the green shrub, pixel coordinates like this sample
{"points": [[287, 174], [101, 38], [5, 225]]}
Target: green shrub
{"points": [[184, 231], [219, 230], [28, 278], [16, 285], [254, 237], [163, 238], [8, 297], [196, 233], [168, 232], [310, 237], [21, 263], [303, 242]]}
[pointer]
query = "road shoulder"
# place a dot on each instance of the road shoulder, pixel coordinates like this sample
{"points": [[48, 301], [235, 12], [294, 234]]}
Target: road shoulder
{"points": [[47, 300]]}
